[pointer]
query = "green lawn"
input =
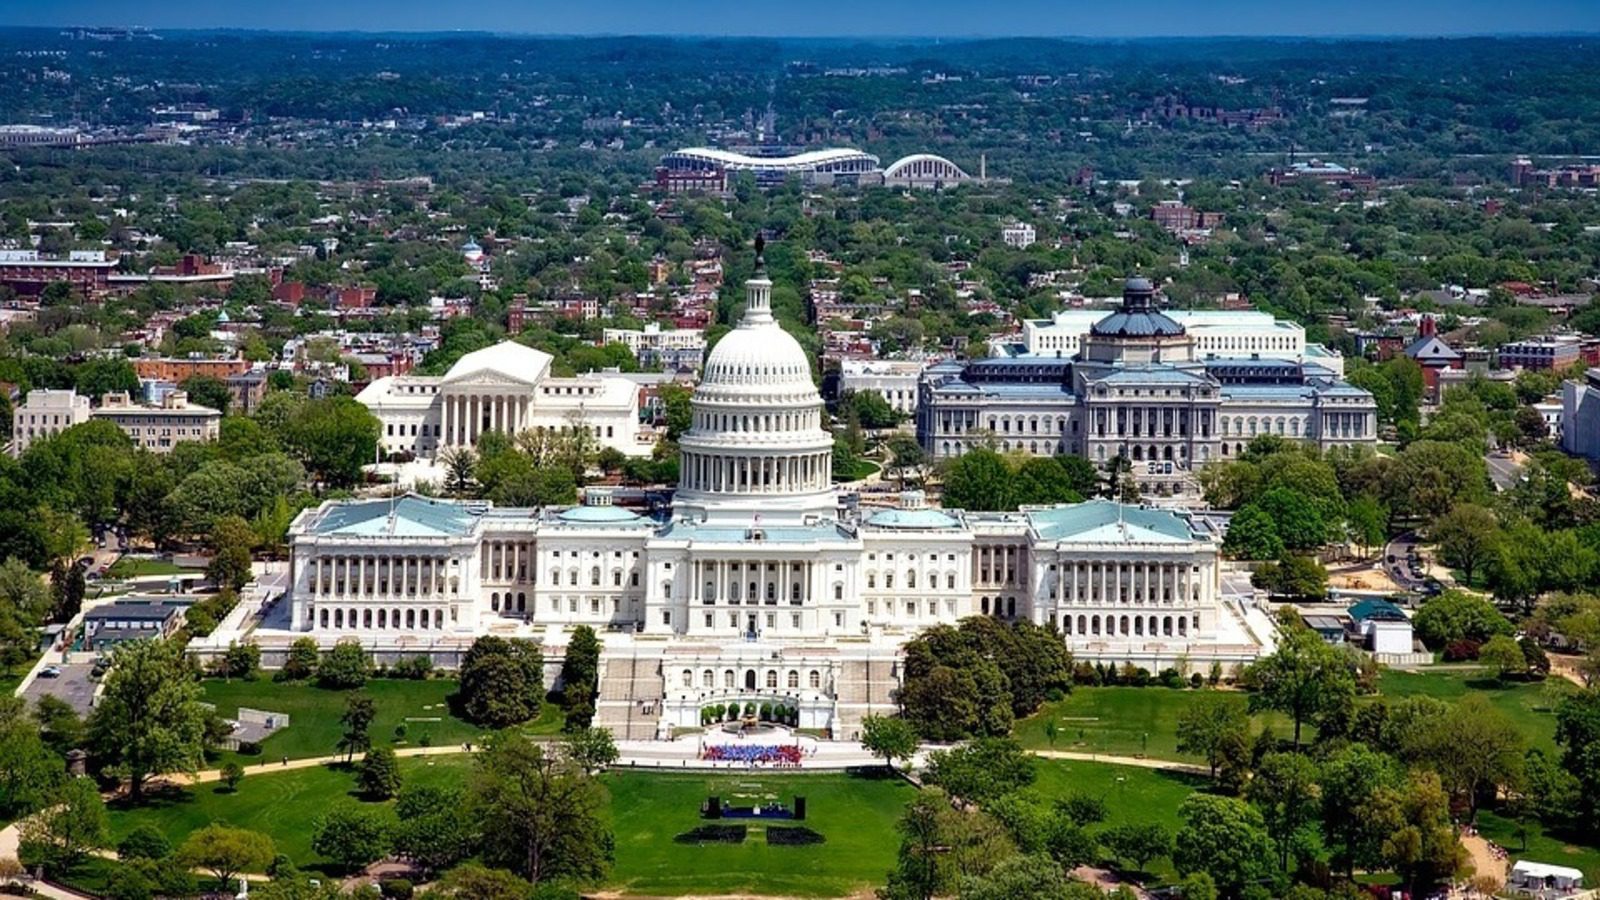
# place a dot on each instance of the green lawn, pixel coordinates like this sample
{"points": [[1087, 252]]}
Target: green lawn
{"points": [[139, 567], [1131, 794], [1132, 721], [856, 816], [314, 714], [1526, 704], [281, 805], [1125, 721], [1542, 846]]}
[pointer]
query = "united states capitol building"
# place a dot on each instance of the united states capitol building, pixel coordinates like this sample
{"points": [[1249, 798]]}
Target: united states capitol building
{"points": [[1169, 393], [759, 585]]}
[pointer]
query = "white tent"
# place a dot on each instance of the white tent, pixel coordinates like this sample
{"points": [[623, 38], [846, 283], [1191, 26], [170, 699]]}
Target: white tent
{"points": [[1540, 876]]}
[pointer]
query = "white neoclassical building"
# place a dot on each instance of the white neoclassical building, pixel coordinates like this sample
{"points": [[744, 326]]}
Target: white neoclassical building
{"points": [[758, 586], [1140, 385], [506, 388]]}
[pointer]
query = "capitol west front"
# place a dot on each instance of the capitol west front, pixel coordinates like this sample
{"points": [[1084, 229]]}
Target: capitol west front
{"points": [[758, 586]]}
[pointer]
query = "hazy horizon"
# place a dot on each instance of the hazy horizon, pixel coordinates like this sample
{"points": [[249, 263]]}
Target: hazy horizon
{"points": [[892, 19]]}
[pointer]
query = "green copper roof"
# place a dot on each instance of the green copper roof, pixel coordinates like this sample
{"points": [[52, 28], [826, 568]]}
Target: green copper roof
{"points": [[597, 515], [913, 518], [1102, 521], [408, 516]]}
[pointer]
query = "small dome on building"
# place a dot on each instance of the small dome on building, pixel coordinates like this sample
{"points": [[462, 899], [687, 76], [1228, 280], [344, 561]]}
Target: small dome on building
{"points": [[912, 518], [597, 515], [1138, 316]]}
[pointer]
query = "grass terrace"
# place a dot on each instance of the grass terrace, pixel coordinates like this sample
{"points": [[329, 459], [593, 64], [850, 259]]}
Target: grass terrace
{"points": [[1123, 721], [855, 815], [1134, 721], [1529, 705], [144, 566], [283, 806], [314, 730], [1542, 845]]}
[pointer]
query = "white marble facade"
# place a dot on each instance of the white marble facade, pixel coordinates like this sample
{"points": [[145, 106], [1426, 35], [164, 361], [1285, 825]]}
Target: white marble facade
{"points": [[505, 388], [757, 584]]}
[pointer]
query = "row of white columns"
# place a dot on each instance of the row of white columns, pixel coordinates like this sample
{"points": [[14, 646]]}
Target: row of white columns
{"points": [[1124, 582], [996, 562], [508, 561], [724, 581], [758, 474], [468, 416], [382, 576]]}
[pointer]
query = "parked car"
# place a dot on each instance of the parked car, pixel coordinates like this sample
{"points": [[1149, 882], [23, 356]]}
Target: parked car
{"points": [[50, 672]]}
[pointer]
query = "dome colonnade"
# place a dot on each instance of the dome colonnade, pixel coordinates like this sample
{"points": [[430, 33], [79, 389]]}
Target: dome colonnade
{"points": [[756, 446]]}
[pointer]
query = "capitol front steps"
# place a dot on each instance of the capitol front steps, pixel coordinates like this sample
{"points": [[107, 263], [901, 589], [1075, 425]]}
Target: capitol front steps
{"points": [[865, 687], [630, 695]]}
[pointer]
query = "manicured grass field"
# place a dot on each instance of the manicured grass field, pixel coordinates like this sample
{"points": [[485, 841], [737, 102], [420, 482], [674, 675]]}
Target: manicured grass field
{"points": [[1124, 721], [139, 567], [1132, 721], [314, 713], [1543, 846], [1526, 704], [856, 815], [281, 805]]}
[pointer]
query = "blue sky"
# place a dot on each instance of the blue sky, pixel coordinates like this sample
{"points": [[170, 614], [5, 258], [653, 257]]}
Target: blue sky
{"points": [[934, 18]]}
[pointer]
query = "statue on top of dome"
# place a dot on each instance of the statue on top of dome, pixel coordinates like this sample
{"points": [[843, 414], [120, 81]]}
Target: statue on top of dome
{"points": [[761, 247]]}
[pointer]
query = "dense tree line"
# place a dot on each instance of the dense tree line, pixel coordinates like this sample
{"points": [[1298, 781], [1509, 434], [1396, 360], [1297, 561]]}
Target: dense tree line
{"points": [[978, 677]]}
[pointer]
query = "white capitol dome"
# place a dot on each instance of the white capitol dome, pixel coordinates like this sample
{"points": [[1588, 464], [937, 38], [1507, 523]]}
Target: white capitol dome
{"points": [[756, 445]]}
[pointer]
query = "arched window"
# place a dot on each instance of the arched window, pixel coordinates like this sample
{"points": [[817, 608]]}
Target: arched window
{"points": [[688, 678], [772, 679], [794, 678], [815, 679], [708, 680], [727, 679]]}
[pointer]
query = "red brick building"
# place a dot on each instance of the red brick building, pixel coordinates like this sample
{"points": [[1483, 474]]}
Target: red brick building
{"points": [[28, 272]]}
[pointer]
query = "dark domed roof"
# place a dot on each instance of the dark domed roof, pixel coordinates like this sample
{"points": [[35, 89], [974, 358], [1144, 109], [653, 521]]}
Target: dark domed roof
{"points": [[1138, 316]]}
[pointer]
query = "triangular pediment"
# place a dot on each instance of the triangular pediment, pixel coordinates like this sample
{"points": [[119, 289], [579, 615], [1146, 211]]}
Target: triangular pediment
{"points": [[488, 379]]}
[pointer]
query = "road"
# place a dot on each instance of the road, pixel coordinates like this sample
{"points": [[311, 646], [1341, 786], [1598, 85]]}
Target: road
{"points": [[1504, 471], [1397, 566]]}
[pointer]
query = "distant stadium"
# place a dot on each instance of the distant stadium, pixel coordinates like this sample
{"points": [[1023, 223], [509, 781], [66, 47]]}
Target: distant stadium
{"points": [[708, 169]]}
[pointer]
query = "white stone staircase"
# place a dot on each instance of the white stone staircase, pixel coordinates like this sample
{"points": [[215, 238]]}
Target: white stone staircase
{"points": [[630, 694]]}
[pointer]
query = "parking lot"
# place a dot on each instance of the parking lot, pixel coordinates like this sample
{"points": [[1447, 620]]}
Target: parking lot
{"points": [[73, 685]]}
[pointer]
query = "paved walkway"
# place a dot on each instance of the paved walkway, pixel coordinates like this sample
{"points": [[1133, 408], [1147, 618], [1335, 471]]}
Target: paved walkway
{"points": [[1140, 762], [1484, 862]]}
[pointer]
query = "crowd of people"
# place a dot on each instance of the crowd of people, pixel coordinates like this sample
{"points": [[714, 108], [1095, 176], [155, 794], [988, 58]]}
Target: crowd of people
{"points": [[781, 755]]}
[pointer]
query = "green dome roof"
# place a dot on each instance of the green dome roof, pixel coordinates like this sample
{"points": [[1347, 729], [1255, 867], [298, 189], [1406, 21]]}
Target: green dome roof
{"points": [[597, 515], [913, 518]]}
